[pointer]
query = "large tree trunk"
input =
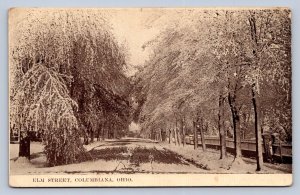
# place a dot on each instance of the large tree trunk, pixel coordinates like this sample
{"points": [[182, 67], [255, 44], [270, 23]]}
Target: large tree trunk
{"points": [[183, 131], [195, 135], [236, 127], [24, 146], [255, 98], [258, 136], [202, 136], [222, 133], [237, 136]]}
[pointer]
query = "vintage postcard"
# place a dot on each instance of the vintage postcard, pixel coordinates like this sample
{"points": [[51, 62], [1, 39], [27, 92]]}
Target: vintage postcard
{"points": [[150, 97]]}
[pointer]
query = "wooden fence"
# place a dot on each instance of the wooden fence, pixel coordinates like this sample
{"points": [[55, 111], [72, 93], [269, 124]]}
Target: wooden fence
{"points": [[282, 151]]}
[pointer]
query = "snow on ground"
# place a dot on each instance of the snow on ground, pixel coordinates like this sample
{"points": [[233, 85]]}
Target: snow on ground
{"points": [[211, 160], [188, 160], [35, 147]]}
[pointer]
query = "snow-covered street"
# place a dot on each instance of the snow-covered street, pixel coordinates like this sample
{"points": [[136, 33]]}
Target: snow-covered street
{"points": [[137, 156]]}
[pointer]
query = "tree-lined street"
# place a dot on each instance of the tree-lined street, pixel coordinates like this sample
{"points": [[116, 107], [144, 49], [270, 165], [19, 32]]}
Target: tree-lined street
{"points": [[76, 87]]}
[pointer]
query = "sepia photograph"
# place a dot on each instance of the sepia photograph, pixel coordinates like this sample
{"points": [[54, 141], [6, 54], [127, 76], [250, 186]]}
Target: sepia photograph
{"points": [[133, 97]]}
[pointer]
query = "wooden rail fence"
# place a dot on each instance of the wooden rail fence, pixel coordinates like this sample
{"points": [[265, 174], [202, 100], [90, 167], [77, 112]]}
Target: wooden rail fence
{"points": [[283, 151]]}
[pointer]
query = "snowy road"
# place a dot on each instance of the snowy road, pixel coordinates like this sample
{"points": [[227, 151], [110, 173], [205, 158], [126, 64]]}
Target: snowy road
{"points": [[111, 156], [138, 156]]}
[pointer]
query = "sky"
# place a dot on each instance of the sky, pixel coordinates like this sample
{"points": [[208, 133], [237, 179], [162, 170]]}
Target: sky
{"points": [[134, 28], [128, 28]]}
